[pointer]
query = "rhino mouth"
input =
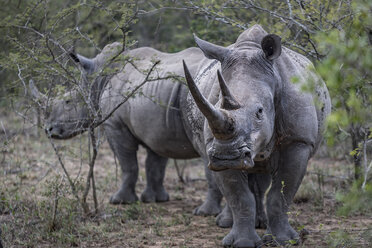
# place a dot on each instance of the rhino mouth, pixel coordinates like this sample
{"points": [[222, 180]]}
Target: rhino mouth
{"points": [[63, 137], [62, 134], [240, 159]]}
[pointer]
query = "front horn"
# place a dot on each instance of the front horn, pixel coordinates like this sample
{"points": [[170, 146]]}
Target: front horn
{"points": [[220, 124]]}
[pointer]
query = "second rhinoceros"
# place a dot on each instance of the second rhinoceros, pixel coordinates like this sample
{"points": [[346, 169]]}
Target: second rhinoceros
{"points": [[151, 119]]}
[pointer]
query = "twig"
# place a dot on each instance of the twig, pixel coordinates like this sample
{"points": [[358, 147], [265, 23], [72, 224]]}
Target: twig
{"points": [[180, 171], [90, 177], [73, 188], [21, 78], [96, 124], [91, 165], [55, 207], [366, 166]]}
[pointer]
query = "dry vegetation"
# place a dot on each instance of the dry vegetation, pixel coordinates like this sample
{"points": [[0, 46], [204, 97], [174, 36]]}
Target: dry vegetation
{"points": [[38, 210]]}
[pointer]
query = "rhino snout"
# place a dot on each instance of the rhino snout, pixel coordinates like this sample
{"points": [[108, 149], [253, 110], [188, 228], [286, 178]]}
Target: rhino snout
{"points": [[54, 131], [239, 159]]}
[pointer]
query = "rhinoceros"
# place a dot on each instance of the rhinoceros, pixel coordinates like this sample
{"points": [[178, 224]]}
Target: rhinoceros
{"points": [[251, 125], [247, 113], [152, 119]]}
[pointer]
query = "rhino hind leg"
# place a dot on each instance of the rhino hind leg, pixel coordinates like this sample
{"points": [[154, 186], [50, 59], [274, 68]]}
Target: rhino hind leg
{"points": [[155, 171], [285, 183], [212, 205], [125, 147], [258, 184], [225, 218]]}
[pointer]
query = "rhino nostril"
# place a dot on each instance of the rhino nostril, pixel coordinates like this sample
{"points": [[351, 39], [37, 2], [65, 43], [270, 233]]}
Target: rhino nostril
{"points": [[248, 154], [50, 129]]}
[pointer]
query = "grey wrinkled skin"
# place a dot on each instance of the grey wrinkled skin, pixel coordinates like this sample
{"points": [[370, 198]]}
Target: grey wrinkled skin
{"points": [[250, 118], [152, 119], [258, 184]]}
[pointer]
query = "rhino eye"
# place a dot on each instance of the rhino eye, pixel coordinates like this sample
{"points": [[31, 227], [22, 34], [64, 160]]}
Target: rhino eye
{"points": [[259, 113], [67, 101]]}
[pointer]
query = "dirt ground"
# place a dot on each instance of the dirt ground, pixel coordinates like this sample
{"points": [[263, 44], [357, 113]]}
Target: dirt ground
{"points": [[31, 181]]}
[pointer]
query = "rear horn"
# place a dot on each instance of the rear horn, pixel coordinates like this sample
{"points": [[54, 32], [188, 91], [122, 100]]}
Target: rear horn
{"points": [[228, 100]]}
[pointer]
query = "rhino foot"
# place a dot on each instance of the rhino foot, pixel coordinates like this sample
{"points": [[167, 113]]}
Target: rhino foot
{"points": [[123, 197], [208, 208], [150, 195], [237, 239], [162, 196], [283, 237], [225, 219]]}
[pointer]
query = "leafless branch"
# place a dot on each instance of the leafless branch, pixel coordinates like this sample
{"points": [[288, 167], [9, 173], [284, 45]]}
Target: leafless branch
{"points": [[72, 185], [367, 167]]}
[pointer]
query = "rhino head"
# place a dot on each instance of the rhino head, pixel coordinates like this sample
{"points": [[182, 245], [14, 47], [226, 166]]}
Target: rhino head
{"points": [[69, 115], [76, 110], [241, 123]]}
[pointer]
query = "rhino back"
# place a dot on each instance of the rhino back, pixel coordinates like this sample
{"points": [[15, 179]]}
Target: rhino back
{"points": [[153, 116]]}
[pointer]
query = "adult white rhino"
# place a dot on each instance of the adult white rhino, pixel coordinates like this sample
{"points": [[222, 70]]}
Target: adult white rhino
{"points": [[246, 116]]}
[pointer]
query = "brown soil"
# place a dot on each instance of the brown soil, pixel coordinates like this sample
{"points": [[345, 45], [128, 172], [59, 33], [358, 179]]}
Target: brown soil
{"points": [[29, 163]]}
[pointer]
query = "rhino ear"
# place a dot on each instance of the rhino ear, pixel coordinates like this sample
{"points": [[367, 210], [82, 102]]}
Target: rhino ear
{"points": [[87, 64], [271, 45], [212, 51]]}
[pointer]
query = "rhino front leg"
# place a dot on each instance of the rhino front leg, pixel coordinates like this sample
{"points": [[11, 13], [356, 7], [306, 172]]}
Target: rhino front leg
{"points": [[212, 204], [124, 146], [234, 186], [155, 171], [286, 179], [258, 184]]}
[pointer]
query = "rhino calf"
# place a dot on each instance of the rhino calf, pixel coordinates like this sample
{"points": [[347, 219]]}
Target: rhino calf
{"points": [[247, 117]]}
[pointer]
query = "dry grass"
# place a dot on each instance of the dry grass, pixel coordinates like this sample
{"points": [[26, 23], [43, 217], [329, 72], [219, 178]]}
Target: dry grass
{"points": [[30, 176]]}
